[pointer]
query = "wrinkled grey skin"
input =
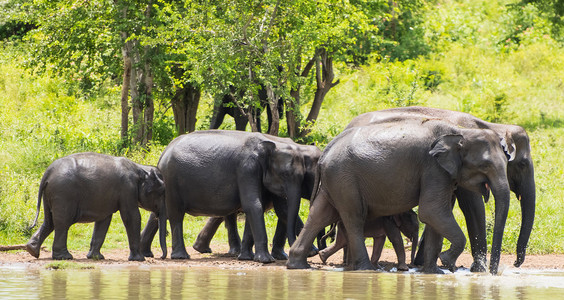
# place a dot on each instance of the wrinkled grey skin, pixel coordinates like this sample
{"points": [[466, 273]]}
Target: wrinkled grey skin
{"points": [[90, 187], [311, 156], [392, 227], [219, 173], [520, 172], [385, 169]]}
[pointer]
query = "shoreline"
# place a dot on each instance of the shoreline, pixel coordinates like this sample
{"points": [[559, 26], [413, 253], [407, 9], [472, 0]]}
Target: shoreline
{"points": [[219, 259]]}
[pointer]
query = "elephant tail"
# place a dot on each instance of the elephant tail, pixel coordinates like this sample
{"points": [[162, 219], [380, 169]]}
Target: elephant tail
{"points": [[42, 186], [316, 184]]}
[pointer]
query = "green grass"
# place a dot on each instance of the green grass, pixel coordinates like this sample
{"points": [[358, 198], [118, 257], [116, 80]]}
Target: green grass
{"points": [[42, 118]]}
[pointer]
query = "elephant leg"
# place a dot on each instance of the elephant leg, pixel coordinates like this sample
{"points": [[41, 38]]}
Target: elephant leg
{"points": [[60, 251], [202, 243], [353, 219], [433, 244], [420, 255], [394, 235], [98, 237], [251, 202], [218, 115], [247, 244], [472, 207], [440, 218], [321, 214], [148, 234], [233, 234], [340, 242], [175, 215], [377, 246], [321, 242], [241, 123], [132, 222], [35, 242], [279, 241]]}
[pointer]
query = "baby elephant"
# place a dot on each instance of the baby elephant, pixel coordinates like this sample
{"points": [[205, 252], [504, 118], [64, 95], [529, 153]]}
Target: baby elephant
{"points": [[378, 229], [90, 187]]}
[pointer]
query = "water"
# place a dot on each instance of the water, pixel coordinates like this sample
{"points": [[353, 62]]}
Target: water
{"points": [[146, 282]]}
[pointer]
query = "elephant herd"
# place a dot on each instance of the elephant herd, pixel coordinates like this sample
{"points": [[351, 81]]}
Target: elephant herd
{"points": [[367, 180]]}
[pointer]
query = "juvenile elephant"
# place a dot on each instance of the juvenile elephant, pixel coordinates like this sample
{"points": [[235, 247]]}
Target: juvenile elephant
{"points": [[385, 169], [90, 187], [378, 229], [218, 173], [311, 156], [520, 172]]}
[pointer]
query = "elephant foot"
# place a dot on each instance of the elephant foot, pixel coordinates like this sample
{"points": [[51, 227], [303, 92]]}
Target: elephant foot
{"points": [[136, 257], [264, 258], [146, 250], [363, 266], [494, 269], [295, 264], [403, 267], [201, 248], [478, 266], [246, 255], [32, 249], [313, 252], [448, 261], [520, 260], [179, 255], [279, 255], [148, 253], [62, 256], [432, 270], [323, 256], [234, 251], [95, 256]]}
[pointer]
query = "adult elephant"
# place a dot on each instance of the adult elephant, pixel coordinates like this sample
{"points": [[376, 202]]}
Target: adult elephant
{"points": [[228, 106], [386, 169], [218, 173], [90, 187], [520, 173], [286, 226]]}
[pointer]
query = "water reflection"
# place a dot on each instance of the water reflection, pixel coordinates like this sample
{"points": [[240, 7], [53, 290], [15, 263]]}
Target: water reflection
{"points": [[22, 282]]}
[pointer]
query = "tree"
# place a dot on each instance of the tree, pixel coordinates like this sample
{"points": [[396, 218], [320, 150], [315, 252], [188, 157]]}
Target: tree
{"points": [[83, 40], [553, 11]]}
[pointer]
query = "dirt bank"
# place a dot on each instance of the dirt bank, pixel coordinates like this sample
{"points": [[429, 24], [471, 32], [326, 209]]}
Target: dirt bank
{"points": [[220, 260]]}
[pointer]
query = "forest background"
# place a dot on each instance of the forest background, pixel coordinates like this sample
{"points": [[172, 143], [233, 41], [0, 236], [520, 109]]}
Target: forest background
{"points": [[126, 77]]}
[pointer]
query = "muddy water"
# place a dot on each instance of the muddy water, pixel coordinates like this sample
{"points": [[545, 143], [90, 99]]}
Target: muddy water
{"points": [[21, 282]]}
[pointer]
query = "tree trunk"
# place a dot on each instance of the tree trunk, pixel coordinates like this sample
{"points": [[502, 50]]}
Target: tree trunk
{"points": [[324, 76], [252, 116], [136, 87], [293, 114], [149, 109], [273, 104], [185, 106], [125, 93], [292, 121]]}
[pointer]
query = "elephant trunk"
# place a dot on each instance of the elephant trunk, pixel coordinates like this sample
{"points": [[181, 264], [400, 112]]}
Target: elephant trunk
{"points": [[501, 193], [294, 200], [414, 242], [162, 230], [528, 200]]}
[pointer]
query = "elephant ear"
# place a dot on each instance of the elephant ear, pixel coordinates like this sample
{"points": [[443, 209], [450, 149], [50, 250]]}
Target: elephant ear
{"points": [[446, 150], [508, 146], [153, 182], [264, 151]]}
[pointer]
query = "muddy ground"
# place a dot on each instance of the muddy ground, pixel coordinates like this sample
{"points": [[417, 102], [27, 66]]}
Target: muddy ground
{"points": [[219, 259]]}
